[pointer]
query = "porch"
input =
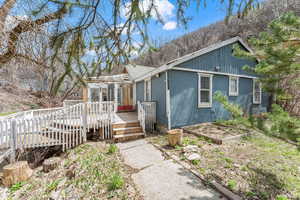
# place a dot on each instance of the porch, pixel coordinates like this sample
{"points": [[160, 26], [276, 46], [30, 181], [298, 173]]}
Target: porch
{"points": [[115, 88]]}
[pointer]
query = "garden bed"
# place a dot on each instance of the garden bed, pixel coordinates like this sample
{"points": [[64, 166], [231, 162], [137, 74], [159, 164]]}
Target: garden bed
{"points": [[216, 133], [255, 167]]}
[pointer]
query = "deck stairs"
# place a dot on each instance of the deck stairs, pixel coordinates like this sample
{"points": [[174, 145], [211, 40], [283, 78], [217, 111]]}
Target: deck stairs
{"points": [[126, 131]]}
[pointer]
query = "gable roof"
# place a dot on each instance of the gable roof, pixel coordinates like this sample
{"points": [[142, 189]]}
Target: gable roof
{"points": [[135, 71], [190, 56]]}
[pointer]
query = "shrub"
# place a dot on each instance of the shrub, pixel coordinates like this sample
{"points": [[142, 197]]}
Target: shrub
{"points": [[284, 125], [235, 110], [116, 182]]}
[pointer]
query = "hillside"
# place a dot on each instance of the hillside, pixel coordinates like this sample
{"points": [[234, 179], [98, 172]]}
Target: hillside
{"points": [[14, 99], [254, 23]]}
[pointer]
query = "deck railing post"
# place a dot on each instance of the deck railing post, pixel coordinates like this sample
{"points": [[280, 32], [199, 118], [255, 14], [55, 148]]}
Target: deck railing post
{"points": [[84, 121], [13, 141]]}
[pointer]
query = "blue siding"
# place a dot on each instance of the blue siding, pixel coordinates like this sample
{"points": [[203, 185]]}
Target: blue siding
{"points": [[140, 91], [184, 98], [221, 57], [158, 94]]}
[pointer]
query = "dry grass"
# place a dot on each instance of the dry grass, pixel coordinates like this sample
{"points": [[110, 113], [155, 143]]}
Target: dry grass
{"points": [[89, 171], [256, 167]]}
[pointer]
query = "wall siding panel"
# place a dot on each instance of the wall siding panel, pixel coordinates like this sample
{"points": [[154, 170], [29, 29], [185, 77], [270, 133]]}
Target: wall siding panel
{"points": [[158, 94], [140, 91], [222, 58], [184, 98]]}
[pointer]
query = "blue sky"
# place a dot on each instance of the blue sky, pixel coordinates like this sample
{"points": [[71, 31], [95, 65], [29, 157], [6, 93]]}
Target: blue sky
{"points": [[202, 16]]}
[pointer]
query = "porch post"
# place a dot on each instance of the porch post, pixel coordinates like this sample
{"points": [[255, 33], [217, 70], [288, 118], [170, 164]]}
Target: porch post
{"points": [[116, 96], [100, 94]]}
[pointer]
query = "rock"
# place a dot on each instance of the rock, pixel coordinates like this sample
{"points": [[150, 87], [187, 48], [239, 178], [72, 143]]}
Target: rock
{"points": [[70, 173], [193, 156], [236, 165], [16, 172], [190, 149], [4, 192], [51, 163], [55, 195]]}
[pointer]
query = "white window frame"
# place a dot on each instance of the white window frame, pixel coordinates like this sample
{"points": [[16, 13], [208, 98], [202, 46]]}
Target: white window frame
{"points": [[205, 104], [149, 88], [260, 93], [234, 93]]}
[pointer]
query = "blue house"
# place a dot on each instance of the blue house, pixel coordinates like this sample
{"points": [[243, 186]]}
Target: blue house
{"points": [[183, 88]]}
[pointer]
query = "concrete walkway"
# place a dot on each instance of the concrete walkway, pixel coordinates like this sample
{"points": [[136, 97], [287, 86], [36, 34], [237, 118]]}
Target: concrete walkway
{"points": [[160, 179]]}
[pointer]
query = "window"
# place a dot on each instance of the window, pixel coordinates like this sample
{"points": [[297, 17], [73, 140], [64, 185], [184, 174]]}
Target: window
{"points": [[233, 86], [147, 90], [205, 90], [256, 92]]}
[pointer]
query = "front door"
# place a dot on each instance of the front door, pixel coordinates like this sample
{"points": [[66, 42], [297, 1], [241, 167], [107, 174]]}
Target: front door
{"points": [[125, 100]]}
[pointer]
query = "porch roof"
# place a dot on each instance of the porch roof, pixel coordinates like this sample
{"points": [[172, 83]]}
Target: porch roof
{"points": [[119, 78]]}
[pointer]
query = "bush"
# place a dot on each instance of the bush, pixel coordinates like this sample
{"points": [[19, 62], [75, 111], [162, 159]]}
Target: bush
{"points": [[234, 109], [284, 125]]}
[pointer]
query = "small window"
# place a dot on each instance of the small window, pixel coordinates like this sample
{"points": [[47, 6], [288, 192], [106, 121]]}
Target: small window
{"points": [[233, 86], [256, 92], [147, 90], [205, 90]]}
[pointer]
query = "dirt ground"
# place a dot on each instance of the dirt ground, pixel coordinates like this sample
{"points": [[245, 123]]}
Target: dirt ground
{"points": [[90, 171], [255, 167]]}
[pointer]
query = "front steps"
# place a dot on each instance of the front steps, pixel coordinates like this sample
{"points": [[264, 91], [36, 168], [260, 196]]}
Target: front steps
{"points": [[127, 131]]}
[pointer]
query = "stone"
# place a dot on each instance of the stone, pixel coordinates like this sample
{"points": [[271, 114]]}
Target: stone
{"points": [[190, 149], [70, 173], [55, 195], [16, 172], [193, 156], [51, 163]]}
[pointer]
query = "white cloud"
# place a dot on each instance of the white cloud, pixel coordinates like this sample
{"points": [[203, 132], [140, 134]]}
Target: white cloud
{"points": [[92, 53], [163, 9], [170, 25]]}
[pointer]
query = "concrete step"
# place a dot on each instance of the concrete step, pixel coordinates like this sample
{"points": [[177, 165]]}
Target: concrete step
{"points": [[128, 130], [128, 137], [126, 124]]}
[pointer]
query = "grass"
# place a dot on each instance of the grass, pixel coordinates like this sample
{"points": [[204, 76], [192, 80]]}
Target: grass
{"points": [[257, 167], [16, 187], [99, 174], [116, 181], [112, 149], [6, 113]]}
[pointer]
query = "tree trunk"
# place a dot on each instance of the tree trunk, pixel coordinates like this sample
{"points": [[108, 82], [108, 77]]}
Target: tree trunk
{"points": [[51, 163], [16, 172]]}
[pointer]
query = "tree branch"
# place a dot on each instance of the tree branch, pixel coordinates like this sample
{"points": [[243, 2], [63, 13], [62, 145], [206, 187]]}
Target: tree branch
{"points": [[25, 26]]}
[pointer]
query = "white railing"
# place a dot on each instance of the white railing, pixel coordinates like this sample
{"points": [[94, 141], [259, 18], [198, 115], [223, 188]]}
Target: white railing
{"points": [[142, 116], [147, 115], [31, 113], [68, 103], [63, 126]]}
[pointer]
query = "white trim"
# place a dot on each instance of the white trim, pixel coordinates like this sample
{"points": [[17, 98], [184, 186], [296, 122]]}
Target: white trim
{"points": [[211, 72], [187, 57], [233, 93], [168, 106], [134, 94], [253, 92], [200, 104], [149, 87]]}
